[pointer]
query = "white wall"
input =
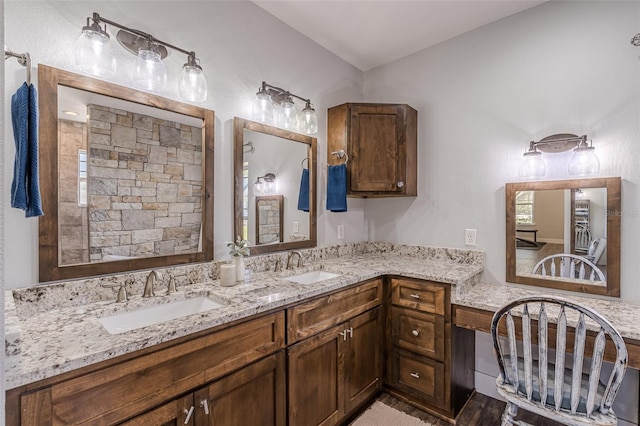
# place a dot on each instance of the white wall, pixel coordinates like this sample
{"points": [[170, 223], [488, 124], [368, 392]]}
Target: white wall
{"points": [[561, 67], [239, 46]]}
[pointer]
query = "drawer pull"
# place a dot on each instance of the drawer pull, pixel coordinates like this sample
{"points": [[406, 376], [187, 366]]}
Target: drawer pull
{"points": [[188, 412], [415, 296], [205, 404], [350, 331], [415, 333], [343, 333], [415, 375]]}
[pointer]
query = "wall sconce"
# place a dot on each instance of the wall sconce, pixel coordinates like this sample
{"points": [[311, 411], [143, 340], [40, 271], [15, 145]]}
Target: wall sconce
{"points": [[265, 185], [583, 162], [94, 55], [636, 40], [274, 105]]}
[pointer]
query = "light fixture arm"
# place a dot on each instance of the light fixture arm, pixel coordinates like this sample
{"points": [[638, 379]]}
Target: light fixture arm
{"points": [[636, 40], [278, 94], [97, 19], [558, 143]]}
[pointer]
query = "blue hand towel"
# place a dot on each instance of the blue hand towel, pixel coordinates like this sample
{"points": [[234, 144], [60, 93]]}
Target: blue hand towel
{"points": [[337, 188], [25, 190], [303, 197]]}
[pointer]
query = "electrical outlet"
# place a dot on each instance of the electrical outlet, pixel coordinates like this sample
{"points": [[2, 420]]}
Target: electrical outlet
{"points": [[469, 237], [340, 232], [296, 227]]}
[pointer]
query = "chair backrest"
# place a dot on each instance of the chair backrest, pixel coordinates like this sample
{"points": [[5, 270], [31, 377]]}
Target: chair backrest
{"points": [[534, 310], [596, 248], [567, 265], [582, 239]]}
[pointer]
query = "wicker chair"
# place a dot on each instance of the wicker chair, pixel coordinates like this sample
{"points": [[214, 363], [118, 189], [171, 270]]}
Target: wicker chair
{"points": [[540, 382]]}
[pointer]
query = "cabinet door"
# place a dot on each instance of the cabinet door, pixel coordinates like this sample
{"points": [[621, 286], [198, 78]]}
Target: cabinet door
{"points": [[254, 395], [363, 358], [174, 413], [316, 374], [378, 148]]}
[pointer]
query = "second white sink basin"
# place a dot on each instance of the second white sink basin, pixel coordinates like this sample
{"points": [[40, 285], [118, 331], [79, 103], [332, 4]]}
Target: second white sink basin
{"points": [[312, 277], [128, 321]]}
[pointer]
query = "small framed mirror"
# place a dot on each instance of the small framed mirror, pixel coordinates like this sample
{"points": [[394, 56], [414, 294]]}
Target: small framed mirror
{"points": [[565, 234], [127, 178], [275, 187]]}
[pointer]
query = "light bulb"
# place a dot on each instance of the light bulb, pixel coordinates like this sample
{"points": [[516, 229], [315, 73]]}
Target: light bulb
{"points": [[309, 120], [93, 52], [150, 73], [287, 115], [263, 108], [584, 161], [192, 85], [532, 165]]}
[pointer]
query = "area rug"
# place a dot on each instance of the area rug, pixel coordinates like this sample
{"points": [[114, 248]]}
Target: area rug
{"points": [[380, 414]]}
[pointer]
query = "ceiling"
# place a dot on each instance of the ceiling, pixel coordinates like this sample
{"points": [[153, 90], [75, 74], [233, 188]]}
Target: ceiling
{"points": [[368, 34]]}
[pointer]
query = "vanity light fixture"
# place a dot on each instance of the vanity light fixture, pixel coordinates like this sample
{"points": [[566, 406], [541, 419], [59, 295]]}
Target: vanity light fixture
{"points": [[274, 105], [94, 55], [265, 185], [583, 162]]}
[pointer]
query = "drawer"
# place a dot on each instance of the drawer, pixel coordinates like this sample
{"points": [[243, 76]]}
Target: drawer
{"points": [[421, 295], [418, 332], [421, 377], [152, 379], [309, 318]]}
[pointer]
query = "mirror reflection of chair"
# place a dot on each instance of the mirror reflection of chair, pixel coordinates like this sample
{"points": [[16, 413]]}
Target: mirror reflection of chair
{"points": [[582, 239], [565, 265], [555, 386], [596, 248]]}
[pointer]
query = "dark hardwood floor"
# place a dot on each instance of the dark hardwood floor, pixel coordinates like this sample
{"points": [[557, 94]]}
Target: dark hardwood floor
{"points": [[480, 411]]}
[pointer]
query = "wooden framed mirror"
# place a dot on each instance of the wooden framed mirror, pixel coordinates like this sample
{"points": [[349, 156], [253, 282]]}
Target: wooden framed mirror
{"points": [[565, 234], [262, 151], [126, 178]]}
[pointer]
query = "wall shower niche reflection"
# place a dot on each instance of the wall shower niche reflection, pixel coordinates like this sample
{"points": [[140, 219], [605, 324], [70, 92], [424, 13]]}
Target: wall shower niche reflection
{"points": [[565, 234], [130, 176], [271, 211]]}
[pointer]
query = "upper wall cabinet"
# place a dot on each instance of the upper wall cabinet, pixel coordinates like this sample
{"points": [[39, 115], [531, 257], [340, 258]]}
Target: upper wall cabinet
{"points": [[380, 141]]}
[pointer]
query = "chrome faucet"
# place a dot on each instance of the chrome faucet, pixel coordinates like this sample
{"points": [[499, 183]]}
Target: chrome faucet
{"points": [[148, 286], [292, 254]]}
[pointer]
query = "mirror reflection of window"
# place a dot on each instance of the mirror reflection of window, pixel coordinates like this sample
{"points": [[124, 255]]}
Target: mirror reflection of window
{"points": [[82, 178], [524, 207], [245, 200]]}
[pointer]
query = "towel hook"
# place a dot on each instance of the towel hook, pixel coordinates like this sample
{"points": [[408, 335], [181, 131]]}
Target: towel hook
{"points": [[341, 154], [302, 162], [24, 59]]}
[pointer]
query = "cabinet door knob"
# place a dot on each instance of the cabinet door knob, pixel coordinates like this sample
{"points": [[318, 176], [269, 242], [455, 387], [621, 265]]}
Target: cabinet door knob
{"points": [[188, 412], [415, 296], [400, 184], [205, 404], [416, 375], [415, 333]]}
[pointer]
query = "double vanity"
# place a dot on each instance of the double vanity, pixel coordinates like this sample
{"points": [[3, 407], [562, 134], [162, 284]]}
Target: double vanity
{"points": [[354, 320]]}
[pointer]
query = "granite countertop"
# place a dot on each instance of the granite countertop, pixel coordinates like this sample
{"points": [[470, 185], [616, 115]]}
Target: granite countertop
{"points": [[490, 297], [64, 336]]}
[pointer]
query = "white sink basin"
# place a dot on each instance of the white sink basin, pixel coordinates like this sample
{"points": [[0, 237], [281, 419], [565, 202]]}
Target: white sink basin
{"points": [[312, 277], [128, 321]]}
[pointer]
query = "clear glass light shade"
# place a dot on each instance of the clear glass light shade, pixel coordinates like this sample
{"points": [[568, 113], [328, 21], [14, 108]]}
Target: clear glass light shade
{"points": [[308, 121], [269, 188], [532, 165], [263, 108], [287, 116], [150, 73], [258, 188], [584, 161], [94, 54], [192, 85]]}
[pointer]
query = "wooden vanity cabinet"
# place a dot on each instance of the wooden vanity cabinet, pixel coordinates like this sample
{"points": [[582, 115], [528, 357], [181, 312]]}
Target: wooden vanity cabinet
{"points": [[117, 391], [333, 372], [423, 348], [381, 143]]}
